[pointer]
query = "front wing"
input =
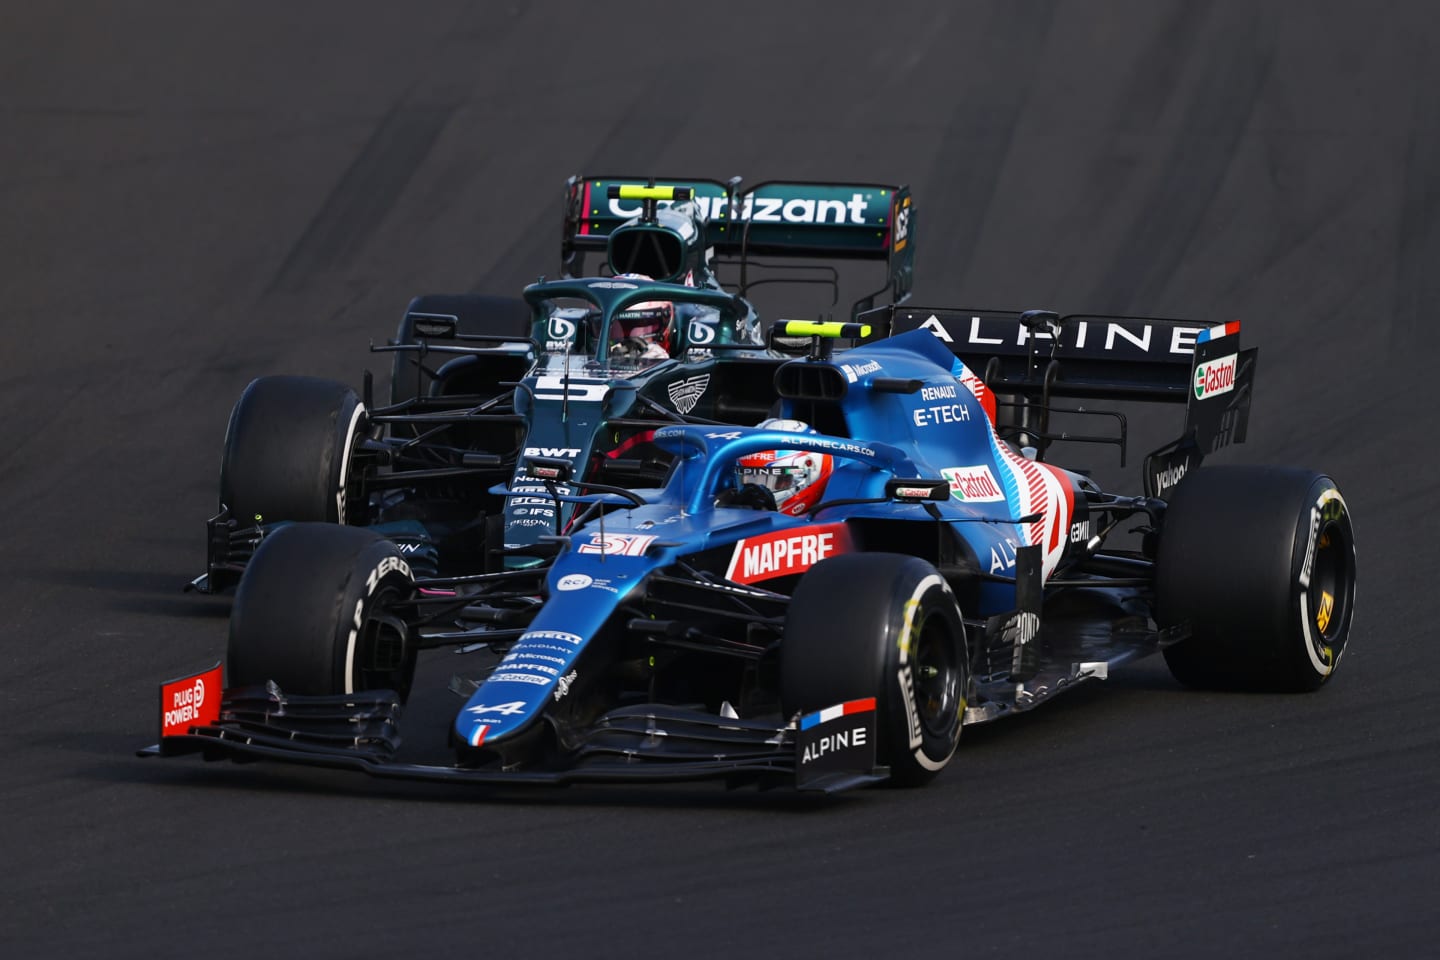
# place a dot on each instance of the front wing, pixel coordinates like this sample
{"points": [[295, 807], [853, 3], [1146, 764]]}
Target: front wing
{"points": [[828, 751]]}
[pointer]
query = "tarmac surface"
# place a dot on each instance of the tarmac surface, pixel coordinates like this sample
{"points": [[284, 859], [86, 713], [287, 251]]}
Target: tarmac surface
{"points": [[197, 194]]}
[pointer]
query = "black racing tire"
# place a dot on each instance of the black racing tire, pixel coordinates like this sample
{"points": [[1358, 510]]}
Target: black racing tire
{"points": [[1260, 562], [475, 314], [882, 625], [288, 450], [317, 613]]}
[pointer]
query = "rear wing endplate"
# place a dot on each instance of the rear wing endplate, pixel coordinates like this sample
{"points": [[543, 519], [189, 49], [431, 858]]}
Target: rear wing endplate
{"points": [[1217, 411]]}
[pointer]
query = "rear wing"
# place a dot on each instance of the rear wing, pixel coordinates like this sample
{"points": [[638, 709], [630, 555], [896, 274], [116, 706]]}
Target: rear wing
{"points": [[1139, 358], [1037, 356], [784, 218]]}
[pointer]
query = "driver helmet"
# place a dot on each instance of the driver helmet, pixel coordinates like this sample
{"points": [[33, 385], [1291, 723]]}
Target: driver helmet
{"points": [[797, 478], [652, 323]]}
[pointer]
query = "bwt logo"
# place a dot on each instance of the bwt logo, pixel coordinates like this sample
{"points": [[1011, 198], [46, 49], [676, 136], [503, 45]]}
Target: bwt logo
{"points": [[560, 333]]}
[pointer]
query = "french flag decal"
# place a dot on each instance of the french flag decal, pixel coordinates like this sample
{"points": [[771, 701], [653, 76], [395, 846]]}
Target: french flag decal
{"points": [[1215, 333], [866, 705]]}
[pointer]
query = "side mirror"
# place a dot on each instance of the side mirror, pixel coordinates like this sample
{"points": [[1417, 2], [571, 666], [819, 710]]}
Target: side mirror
{"points": [[917, 490], [548, 468]]}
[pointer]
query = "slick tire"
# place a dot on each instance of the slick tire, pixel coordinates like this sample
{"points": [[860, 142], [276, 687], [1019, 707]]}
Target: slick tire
{"points": [[1259, 564], [475, 314], [881, 625], [288, 450], [318, 612]]}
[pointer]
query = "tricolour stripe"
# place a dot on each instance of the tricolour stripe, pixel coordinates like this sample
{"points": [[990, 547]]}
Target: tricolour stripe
{"points": [[839, 710], [1215, 333]]}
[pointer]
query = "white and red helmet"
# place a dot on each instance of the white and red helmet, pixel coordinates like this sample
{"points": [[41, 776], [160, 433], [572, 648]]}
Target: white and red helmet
{"points": [[796, 478], [649, 327]]}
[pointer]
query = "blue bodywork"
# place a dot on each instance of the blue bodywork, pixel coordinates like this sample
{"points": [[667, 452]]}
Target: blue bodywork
{"points": [[909, 390]]}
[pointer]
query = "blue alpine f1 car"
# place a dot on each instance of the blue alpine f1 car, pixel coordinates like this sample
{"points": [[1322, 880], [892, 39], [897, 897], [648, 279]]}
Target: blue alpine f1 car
{"points": [[823, 600]]}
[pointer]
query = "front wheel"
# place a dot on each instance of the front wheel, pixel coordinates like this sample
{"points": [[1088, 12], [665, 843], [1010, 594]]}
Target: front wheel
{"points": [[881, 625], [288, 451], [319, 611], [1257, 566]]}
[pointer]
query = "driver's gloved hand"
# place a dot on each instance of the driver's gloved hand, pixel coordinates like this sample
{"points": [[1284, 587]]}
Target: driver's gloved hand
{"points": [[751, 495]]}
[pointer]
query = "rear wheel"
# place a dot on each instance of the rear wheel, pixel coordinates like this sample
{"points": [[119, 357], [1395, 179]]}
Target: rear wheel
{"points": [[881, 625], [318, 611], [1259, 564], [288, 450]]}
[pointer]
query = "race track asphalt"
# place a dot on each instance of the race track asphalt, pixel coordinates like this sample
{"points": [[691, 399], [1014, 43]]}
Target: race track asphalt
{"points": [[195, 194]]}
